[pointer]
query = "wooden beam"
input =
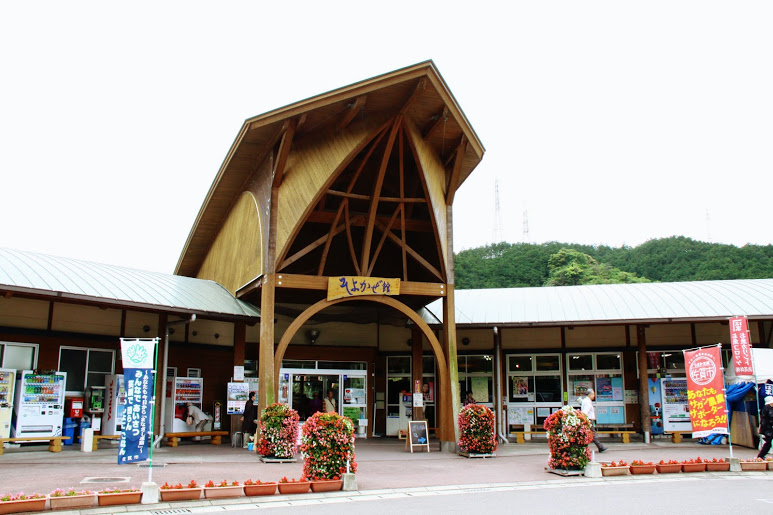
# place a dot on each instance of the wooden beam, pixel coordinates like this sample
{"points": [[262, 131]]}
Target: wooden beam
{"points": [[401, 158], [442, 118], [311, 246], [455, 171], [317, 282], [354, 108], [284, 152], [377, 193], [350, 240], [415, 255], [381, 241], [356, 196], [326, 217], [421, 85]]}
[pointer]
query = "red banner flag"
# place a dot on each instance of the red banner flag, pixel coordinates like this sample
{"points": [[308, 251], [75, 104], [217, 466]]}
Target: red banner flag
{"points": [[739, 342], [706, 391]]}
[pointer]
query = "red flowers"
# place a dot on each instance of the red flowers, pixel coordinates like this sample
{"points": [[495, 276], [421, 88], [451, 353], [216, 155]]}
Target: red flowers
{"points": [[477, 429], [328, 445]]}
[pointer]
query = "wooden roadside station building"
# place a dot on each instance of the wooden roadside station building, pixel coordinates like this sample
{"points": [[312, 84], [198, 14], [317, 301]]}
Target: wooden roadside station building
{"points": [[351, 188]]}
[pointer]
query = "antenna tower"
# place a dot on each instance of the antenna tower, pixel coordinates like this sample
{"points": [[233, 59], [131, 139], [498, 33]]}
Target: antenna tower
{"points": [[497, 214], [525, 226]]}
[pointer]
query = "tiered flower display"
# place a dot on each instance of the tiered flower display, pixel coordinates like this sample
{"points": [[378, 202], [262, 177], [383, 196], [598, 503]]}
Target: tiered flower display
{"points": [[569, 434], [327, 442], [278, 431], [477, 429]]}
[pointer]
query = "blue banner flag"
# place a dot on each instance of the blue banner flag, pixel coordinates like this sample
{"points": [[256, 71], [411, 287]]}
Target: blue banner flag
{"points": [[138, 382]]}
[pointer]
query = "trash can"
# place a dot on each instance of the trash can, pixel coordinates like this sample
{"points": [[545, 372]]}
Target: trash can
{"points": [[68, 429]]}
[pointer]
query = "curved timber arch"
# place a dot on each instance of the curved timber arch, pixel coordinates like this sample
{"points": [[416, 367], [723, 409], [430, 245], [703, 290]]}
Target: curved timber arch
{"points": [[389, 301]]}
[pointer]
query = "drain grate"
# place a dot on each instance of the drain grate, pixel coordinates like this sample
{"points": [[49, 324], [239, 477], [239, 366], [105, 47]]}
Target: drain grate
{"points": [[171, 512], [155, 465], [105, 480]]}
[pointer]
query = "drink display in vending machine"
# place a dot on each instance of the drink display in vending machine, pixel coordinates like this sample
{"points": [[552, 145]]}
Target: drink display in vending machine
{"points": [[38, 404], [183, 390], [7, 382], [115, 404]]}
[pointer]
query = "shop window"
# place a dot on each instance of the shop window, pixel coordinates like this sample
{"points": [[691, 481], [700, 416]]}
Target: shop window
{"points": [[85, 367], [608, 362], [547, 388], [19, 356], [428, 365], [342, 365], [294, 363], [478, 364], [519, 363], [399, 365], [580, 362], [548, 363]]}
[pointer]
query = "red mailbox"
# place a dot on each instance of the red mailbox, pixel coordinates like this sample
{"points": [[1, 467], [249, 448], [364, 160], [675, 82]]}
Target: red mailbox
{"points": [[73, 407]]}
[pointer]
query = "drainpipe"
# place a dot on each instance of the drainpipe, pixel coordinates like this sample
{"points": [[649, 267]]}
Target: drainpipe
{"points": [[162, 429], [498, 395]]}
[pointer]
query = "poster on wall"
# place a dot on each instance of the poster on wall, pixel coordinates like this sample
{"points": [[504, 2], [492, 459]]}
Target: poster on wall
{"points": [[676, 412], [238, 394], [480, 389], [580, 387], [656, 406], [521, 388], [609, 388]]}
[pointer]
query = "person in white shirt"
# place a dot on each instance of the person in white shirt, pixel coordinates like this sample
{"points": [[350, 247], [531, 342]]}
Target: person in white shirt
{"points": [[329, 406], [199, 419], [586, 406]]}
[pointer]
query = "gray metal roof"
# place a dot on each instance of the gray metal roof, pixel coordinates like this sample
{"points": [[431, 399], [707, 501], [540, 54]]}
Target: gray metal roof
{"points": [[28, 272], [611, 303]]}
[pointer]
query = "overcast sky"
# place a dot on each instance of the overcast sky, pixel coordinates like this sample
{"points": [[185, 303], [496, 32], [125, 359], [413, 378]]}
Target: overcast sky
{"points": [[607, 122]]}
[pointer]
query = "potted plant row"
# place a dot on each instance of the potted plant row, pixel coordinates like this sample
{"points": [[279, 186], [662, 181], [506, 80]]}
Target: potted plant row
{"points": [[717, 465], [71, 498], [222, 489], [178, 492], [615, 468], [117, 496], [293, 486], [640, 467], [255, 488], [21, 502], [754, 464]]}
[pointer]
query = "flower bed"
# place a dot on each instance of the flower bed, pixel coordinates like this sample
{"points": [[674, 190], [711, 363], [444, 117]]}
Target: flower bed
{"points": [[293, 486], [21, 502], [278, 431], [569, 434], [477, 430], [178, 492], [255, 488], [327, 442]]}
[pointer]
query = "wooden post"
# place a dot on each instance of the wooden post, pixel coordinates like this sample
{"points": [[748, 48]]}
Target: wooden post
{"points": [[266, 379], [644, 403], [417, 337], [449, 411]]}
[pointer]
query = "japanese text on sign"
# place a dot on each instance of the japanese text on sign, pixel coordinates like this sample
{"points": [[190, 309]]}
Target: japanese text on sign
{"points": [[705, 391], [739, 343], [133, 446], [353, 286]]}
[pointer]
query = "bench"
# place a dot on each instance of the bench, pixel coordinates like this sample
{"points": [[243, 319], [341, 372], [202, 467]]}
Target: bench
{"points": [[616, 429], [676, 436], [54, 442], [172, 439], [97, 438], [519, 435]]}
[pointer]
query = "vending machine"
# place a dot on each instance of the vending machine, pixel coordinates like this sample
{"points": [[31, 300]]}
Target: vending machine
{"points": [[182, 391], [7, 383], [115, 404], [38, 408]]}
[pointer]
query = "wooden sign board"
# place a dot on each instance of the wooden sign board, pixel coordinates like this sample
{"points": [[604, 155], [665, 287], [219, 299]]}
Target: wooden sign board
{"points": [[418, 434]]}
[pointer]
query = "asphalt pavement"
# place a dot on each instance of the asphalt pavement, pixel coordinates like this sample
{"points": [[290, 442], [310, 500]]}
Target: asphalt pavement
{"points": [[384, 465]]}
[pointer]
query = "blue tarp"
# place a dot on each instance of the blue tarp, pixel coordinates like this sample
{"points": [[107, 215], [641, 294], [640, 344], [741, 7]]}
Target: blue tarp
{"points": [[734, 394]]}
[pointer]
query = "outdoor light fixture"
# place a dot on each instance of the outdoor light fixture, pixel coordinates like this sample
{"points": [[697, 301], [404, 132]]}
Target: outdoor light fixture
{"points": [[465, 341], [146, 328], [313, 335]]}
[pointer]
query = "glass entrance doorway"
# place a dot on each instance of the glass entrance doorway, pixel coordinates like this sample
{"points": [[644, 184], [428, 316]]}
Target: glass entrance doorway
{"points": [[307, 384]]}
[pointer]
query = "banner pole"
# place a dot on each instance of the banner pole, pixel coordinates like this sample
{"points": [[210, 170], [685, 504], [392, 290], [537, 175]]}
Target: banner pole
{"points": [[153, 412], [727, 410]]}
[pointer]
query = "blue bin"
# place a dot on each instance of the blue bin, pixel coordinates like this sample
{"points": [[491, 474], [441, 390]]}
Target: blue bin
{"points": [[68, 429]]}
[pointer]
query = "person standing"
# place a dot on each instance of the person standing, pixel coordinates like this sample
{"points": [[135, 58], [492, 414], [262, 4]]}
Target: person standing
{"points": [[766, 426], [587, 407], [469, 399], [315, 404], [330, 402], [248, 419]]}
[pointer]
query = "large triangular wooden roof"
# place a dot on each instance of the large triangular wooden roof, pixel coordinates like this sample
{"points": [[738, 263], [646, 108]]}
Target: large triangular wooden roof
{"points": [[418, 91]]}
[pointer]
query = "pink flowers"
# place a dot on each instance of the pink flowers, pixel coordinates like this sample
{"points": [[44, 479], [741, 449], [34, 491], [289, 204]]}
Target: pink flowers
{"points": [[476, 427], [279, 431], [328, 444], [569, 433]]}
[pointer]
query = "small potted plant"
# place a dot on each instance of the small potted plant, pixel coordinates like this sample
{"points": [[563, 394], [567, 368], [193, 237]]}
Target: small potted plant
{"points": [[754, 464], [640, 467], [115, 496], [71, 498], [615, 468], [222, 489], [293, 486], [668, 467], [696, 465], [21, 502], [178, 492], [717, 465], [254, 488]]}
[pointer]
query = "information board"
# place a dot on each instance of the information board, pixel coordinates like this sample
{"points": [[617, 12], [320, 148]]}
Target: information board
{"points": [[418, 434]]}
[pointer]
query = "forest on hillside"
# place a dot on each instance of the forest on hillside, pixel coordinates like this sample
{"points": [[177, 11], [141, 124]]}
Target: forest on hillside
{"points": [[674, 259]]}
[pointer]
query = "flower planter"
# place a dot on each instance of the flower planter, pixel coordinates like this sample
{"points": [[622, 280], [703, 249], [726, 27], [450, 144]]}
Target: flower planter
{"points": [[114, 499], [298, 487], [180, 494], [718, 467], [669, 468], [261, 489], [615, 471], [693, 467], [219, 492], [72, 501], [754, 465], [770, 464], [331, 485], [23, 505], [642, 469]]}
